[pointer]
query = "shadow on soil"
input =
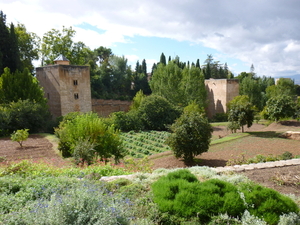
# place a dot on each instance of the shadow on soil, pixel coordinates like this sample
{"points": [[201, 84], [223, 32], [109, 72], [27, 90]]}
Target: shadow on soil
{"points": [[264, 134], [208, 162]]}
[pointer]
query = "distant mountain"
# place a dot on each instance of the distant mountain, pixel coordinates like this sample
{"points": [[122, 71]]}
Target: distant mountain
{"points": [[296, 78]]}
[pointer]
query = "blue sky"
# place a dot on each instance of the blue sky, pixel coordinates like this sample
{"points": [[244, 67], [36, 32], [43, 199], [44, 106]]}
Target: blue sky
{"points": [[264, 33]]}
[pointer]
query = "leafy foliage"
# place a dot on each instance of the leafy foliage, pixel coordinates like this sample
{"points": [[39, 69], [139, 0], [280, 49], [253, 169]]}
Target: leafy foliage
{"points": [[20, 136], [127, 121], [157, 113], [191, 135], [278, 107], [20, 86], [92, 128], [24, 114], [284, 86], [241, 112], [255, 88], [187, 81]]}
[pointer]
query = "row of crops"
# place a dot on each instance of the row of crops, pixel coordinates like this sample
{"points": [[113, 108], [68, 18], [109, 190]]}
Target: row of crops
{"points": [[145, 143]]}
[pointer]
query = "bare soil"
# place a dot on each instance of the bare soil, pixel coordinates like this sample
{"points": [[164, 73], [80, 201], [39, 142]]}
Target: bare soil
{"points": [[263, 140]]}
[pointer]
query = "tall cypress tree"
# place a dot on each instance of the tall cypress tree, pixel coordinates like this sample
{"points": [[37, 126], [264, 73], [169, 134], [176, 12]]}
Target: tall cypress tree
{"points": [[14, 54], [162, 58], [198, 63], [4, 43]]}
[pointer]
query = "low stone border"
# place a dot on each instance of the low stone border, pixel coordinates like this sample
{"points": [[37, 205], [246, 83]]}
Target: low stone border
{"points": [[252, 166], [236, 168]]}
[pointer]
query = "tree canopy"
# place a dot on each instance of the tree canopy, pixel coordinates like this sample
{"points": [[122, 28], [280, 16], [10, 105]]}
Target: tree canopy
{"points": [[179, 86], [190, 136], [240, 113], [11, 83]]}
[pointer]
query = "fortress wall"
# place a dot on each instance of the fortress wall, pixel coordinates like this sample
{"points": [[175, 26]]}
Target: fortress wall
{"points": [[106, 107], [219, 93]]}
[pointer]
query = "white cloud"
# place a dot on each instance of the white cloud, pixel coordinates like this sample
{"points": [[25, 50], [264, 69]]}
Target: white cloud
{"points": [[264, 33]]}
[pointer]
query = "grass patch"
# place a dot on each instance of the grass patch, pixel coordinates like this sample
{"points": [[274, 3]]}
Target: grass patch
{"points": [[216, 124], [230, 138]]}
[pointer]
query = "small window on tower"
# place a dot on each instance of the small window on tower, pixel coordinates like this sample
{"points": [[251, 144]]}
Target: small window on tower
{"points": [[48, 95], [75, 82], [76, 96]]}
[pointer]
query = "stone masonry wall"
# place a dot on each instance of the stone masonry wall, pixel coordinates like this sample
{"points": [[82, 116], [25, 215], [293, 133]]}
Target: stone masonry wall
{"points": [[106, 107], [219, 93], [66, 87]]}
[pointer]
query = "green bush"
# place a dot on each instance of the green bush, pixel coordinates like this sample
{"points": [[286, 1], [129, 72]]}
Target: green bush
{"points": [[24, 114], [267, 203], [20, 136], [127, 121], [84, 152], [182, 196], [157, 113], [89, 126], [220, 117], [191, 135]]}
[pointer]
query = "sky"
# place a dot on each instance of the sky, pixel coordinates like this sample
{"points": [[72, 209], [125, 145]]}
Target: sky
{"points": [[265, 33]]}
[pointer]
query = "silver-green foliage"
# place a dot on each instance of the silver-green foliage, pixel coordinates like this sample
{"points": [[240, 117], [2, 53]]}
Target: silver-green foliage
{"points": [[84, 203]]}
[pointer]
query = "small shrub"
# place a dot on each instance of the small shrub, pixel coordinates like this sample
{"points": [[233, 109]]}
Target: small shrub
{"points": [[286, 156], [106, 139], [84, 152], [220, 117], [268, 204], [20, 136], [181, 195]]}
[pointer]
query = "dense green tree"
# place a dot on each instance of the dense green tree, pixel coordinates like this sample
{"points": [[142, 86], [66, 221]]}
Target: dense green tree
{"points": [[193, 86], [4, 43], [56, 42], [157, 113], [163, 59], [28, 46], [179, 86], [198, 64], [190, 136], [20, 86], [240, 112], [24, 114], [279, 107], [140, 78], [255, 88], [14, 55], [120, 78], [213, 69], [9, 51], [166, 82], [284, 86]]}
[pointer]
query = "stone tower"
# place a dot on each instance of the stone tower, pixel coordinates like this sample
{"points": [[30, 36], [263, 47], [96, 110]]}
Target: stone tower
{"points": [[66, 87], [219, 93]]}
